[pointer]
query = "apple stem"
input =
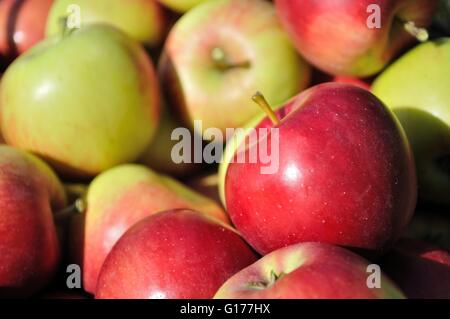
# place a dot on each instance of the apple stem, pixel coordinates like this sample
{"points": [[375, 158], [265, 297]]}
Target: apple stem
{"points": [[65, 30], [421, 34], [220, 61], [259, 99], [78, 207]]}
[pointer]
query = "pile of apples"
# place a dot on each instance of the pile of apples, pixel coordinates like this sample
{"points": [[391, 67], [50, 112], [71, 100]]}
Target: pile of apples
{"points": [[92, 91]]}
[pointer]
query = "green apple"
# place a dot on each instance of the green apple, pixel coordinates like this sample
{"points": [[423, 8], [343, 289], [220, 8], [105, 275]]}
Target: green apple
{"points": [[416, 88], [220, 53], [143, 20], [120, 197], [181, 5], [85, 101]]}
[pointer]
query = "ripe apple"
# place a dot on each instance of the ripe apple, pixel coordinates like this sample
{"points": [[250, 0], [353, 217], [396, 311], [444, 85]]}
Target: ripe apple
{"points": [[229, 49], [307, 271], [174, 254], [120, 197], [80, 109], [142, 20], [29, 193], [416, 88], [22, 25], [335, 35], [420, 269], [181, 6], [345, 175]]}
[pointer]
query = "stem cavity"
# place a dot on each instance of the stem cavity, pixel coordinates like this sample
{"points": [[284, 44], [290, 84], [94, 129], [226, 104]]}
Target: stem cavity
{"points": [[220, 60]]}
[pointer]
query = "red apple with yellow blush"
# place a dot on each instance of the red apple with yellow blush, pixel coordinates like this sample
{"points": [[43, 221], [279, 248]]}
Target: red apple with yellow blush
{"points": [[343, 37]]}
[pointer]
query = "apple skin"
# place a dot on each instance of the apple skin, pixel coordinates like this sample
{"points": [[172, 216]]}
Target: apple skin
{"points": [[22, 25], [47, 103], [235, 141], [421, 270], [346, 176], [117, 199], [307, 271], [29, 193], [355, 49], [142, 20], [181, 6], [245, 31], [416, 88], [177, 254]]}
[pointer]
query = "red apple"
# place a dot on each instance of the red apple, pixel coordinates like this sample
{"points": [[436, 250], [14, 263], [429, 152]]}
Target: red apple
{"points": [[173, 254], [420, 269], [345, 175], [22, 24], [335, 35], [29, 193], [115, 201], [307, 271]]}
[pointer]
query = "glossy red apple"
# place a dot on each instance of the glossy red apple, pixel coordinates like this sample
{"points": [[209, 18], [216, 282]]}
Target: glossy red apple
{"points": [[115, 201], [420, 269], [173, 254], [335, 35], [307, 271], [345, 175], [22, 24], [29, 193]]}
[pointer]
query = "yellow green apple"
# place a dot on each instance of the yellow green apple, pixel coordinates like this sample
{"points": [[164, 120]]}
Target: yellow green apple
{"points": [[86, 100], [181, 5], [143, 20], [416, 88]]}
